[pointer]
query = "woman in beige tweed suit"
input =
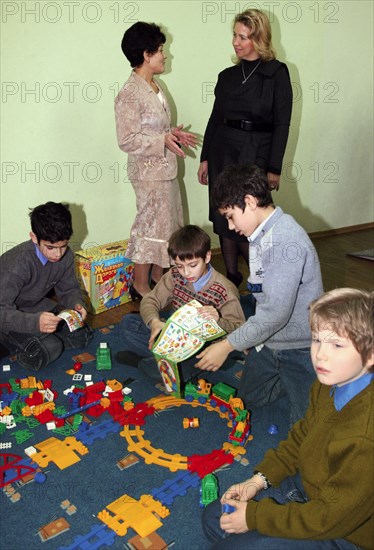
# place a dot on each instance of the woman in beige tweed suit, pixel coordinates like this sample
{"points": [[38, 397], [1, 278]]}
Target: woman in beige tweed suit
{"points": [[144, 132]]}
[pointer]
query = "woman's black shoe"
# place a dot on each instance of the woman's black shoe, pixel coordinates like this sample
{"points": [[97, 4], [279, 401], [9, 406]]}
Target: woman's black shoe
{"points": [[135, 295]]}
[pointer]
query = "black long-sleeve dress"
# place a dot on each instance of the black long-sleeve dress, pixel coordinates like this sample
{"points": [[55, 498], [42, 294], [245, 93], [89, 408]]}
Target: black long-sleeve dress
{"points": [[264, 99]]}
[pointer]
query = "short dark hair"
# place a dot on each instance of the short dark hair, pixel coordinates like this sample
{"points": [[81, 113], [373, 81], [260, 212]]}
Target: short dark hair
{"points": [[139, 38], [51, 222], [189, 242], [238, 180]]}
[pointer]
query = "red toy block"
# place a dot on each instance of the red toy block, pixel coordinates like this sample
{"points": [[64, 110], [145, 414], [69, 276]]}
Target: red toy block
{"points": [[46, 416], [35, 399], [115, 396], [47, 384], [7, 386]]}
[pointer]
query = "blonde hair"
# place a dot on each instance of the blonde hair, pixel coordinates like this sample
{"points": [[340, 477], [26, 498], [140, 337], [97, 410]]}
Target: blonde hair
{"points": [[260, 32], [348, 312]]}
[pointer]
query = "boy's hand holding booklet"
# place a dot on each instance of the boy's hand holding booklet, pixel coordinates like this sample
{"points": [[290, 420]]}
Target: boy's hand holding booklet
{"points": [[184, 333]]}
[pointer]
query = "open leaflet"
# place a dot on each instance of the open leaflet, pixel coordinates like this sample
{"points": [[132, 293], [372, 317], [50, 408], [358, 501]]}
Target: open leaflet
{"points": [[184, 333]]}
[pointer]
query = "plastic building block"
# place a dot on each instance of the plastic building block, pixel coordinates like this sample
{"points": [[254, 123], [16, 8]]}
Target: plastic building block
{"points": [[176, 486], [22, 436], [7, 445], [228, 509], [77, 366], [97, 431], [103, 359], [126, 512], [273, 429], [152, 542], [53, 529], [6, 368], [60, 452], [12, 467], [209, 490], [127, 461], [29, 451], [191, 423], [97, 537], [40, 477]]}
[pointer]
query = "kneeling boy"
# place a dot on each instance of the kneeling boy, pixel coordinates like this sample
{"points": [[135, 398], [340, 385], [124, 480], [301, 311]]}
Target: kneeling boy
{"points": [[330, 504], [284, 278]]}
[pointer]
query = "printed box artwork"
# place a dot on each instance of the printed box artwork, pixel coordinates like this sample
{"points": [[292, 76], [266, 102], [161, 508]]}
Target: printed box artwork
{"points": [[184, 333], [105, 275], [72, 319]]}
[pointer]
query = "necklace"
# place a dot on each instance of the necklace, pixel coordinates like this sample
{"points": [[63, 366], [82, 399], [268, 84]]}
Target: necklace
{"points": [[250, 74]]}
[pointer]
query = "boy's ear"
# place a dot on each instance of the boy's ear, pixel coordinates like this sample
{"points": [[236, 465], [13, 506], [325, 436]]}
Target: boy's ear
{"points": [[208, 256], [33, 237], [250, 201]]}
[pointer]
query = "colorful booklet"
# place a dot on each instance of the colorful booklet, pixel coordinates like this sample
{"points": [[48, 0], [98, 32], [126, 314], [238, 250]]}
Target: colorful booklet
{"points": [[184, 333], [72, 319]]}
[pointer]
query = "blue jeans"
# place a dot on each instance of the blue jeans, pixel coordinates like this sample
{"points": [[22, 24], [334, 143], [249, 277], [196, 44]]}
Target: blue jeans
{"points": [[290, 490], [135, 335], [271, 374]]}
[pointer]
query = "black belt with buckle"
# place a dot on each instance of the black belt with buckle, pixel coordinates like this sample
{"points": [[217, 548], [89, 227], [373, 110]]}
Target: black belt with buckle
{"points": [[248, 126]]}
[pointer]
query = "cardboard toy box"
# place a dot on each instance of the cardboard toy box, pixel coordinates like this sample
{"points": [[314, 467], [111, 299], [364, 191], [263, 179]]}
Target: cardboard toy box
{"points": [[104, 275]]}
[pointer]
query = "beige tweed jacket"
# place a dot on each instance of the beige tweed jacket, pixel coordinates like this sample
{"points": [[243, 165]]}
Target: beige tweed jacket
{"points": [[141, 122]]}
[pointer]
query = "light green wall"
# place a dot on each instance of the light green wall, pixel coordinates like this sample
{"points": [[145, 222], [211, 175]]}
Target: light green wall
{"points": [[62, 65]]}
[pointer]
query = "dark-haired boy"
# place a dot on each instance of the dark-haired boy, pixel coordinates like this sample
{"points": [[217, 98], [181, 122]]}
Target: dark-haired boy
{"points": [[284, 278], [191, 278], [29, 326]]}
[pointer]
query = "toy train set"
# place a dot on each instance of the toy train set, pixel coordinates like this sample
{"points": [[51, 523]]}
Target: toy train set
{"points": [[223, 397]]}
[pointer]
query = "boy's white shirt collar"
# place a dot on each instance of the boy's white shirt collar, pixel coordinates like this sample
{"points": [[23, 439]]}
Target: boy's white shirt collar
{"points": [[258, 230]]}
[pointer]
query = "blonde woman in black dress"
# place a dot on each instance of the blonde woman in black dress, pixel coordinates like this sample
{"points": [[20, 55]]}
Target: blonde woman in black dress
{"points": [[249, 122]]}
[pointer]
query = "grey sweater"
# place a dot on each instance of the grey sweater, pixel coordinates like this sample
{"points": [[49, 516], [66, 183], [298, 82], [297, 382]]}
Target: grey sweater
{"points": [[284, 260], [24, 284]]}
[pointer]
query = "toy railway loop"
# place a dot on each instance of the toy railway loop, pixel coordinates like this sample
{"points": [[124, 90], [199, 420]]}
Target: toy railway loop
{"points": [[174, 462]]}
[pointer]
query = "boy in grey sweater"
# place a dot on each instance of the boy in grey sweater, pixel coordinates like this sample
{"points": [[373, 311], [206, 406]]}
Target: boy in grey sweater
{"points": [[284, 278], [29, 325]]}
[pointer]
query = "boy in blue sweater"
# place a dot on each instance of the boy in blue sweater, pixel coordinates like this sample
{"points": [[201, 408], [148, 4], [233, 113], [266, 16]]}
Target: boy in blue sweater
{"points": [[284, 278]]}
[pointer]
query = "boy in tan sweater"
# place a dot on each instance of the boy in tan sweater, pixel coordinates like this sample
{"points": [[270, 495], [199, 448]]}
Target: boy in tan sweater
{"points": [[191, 278]]}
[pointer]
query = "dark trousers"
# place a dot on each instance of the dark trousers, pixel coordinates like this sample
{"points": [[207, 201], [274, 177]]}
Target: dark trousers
{"points": [[37, 351]]}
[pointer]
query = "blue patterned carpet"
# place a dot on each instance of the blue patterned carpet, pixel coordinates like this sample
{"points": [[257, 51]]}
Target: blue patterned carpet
{"points": [[95, 481]]}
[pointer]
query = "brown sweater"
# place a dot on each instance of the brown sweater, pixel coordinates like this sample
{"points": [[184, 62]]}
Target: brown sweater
{"points": [[334, 453], [172, 292]]}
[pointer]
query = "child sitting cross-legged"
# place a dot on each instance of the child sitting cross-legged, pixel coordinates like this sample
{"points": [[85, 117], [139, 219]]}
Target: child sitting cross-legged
{"points": [[191, 278], [315, 490]]}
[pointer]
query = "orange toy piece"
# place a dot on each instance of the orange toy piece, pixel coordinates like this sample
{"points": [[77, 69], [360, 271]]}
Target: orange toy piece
{"points": [[126, 512], [191, 423], [29, 382], [38, 409], [151, 542], [114, 385], [6, 411], [71, 372], [60, 452]]}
